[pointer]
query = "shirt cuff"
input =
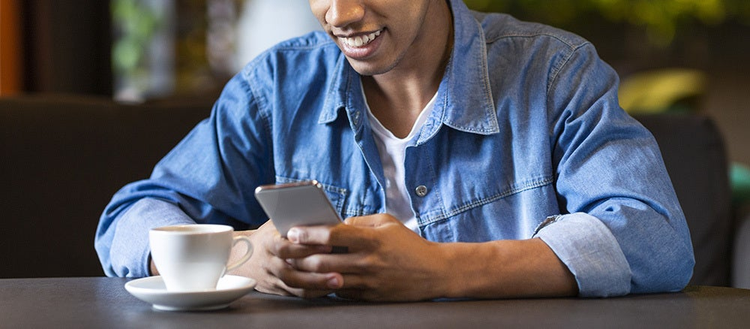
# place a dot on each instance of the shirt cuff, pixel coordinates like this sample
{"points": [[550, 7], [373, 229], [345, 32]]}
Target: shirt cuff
{"points": [[130, 247], [590, 251]]}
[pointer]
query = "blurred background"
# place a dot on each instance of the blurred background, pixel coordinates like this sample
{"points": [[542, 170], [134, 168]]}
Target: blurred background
{"points": [[672, 55]]}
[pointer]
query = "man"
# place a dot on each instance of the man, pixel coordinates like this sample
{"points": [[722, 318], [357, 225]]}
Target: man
{"points": [[473, 155]]}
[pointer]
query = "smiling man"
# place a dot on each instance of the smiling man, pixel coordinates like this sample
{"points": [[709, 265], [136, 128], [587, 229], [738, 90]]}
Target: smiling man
{"points": [[472, 154]]}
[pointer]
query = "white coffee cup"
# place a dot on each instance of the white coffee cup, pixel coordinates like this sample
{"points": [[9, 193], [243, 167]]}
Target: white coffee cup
{"points": [[194, 257]]}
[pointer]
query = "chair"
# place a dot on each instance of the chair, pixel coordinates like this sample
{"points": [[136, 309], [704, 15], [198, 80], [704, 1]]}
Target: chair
{"points": [[61, 160]]}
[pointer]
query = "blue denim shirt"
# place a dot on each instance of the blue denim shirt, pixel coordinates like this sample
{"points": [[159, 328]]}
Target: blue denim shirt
{"points": [[526, 140]]}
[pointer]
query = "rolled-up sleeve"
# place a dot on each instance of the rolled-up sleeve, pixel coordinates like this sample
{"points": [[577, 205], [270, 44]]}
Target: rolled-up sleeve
{"points": [[591, 252], [624, 231]]}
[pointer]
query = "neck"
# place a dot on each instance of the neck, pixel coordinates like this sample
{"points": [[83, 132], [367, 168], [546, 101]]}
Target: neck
{"points": [[398, 96]]}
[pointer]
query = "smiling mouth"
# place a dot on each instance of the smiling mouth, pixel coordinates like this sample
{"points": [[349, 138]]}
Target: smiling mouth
{"points": [[360, 41]]}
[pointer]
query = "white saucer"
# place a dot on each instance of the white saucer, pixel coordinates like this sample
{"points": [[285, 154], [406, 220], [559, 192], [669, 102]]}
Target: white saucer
{"points": [[152, 290]]}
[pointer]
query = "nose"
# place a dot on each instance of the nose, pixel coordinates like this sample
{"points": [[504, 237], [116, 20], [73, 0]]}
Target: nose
{"points": [[344, 12]]}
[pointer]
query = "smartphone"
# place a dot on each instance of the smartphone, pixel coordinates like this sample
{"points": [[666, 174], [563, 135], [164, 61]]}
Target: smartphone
{"points": [[296, 204]]}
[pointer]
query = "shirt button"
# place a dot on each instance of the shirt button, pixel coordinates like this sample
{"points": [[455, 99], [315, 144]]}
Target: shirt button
{"points": [[356, 117], [421, 190]]}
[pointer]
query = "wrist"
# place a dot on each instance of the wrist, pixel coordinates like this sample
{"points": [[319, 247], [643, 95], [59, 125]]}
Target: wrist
{"points": [[451, 272], [506, 268]]}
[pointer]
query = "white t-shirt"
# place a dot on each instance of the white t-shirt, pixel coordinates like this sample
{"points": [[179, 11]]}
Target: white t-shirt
{"points": [[392, 150]]}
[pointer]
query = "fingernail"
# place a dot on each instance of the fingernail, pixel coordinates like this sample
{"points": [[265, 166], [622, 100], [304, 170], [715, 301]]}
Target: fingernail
{"points": [[333, 283], [293, 235]]}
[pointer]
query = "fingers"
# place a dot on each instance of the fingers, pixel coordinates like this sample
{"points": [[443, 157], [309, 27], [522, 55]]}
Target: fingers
{"points": [[278, 287], [339, 263], [360, 288], [270, 240], [358, 232], [354, 237], [312, 281], [283, 248], [273, 273], [303, 265]]}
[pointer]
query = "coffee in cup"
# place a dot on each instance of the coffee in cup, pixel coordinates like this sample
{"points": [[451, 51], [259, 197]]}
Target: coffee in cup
{"points": [[194, 257]]}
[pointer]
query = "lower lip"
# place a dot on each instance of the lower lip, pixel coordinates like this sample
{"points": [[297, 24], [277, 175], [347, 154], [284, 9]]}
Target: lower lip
{"points": [[362, 52]]}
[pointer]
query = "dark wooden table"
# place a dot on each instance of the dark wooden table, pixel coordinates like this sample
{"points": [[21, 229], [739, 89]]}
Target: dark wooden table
{"points": [[104, 303]]}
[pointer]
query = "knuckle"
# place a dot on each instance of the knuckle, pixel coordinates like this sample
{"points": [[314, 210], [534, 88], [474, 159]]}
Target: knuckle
{"points": [[276, 267], [269, 244], [371, 263], [326, 234], [280, 248], [314, 263], [367, 286], [287, 278]]}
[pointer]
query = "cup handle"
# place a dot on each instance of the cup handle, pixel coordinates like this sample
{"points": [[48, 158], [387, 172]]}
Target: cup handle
{"points": [[245, 257]]}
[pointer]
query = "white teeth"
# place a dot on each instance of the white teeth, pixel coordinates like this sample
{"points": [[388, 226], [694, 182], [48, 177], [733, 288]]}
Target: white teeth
{"points": [[360, 41]]}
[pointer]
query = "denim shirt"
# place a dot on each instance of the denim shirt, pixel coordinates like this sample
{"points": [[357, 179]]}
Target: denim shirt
{"points": [[526, 140]]}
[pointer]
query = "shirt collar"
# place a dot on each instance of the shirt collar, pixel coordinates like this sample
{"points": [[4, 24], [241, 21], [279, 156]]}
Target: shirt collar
{"points": [[340, 91], [464, 100]]}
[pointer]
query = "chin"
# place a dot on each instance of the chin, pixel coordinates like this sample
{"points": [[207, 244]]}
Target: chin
{"points": [[368, 69]]}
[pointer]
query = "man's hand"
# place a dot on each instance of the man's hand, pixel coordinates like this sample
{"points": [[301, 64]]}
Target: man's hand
{"points": [[385, 259], [270, 267]]}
